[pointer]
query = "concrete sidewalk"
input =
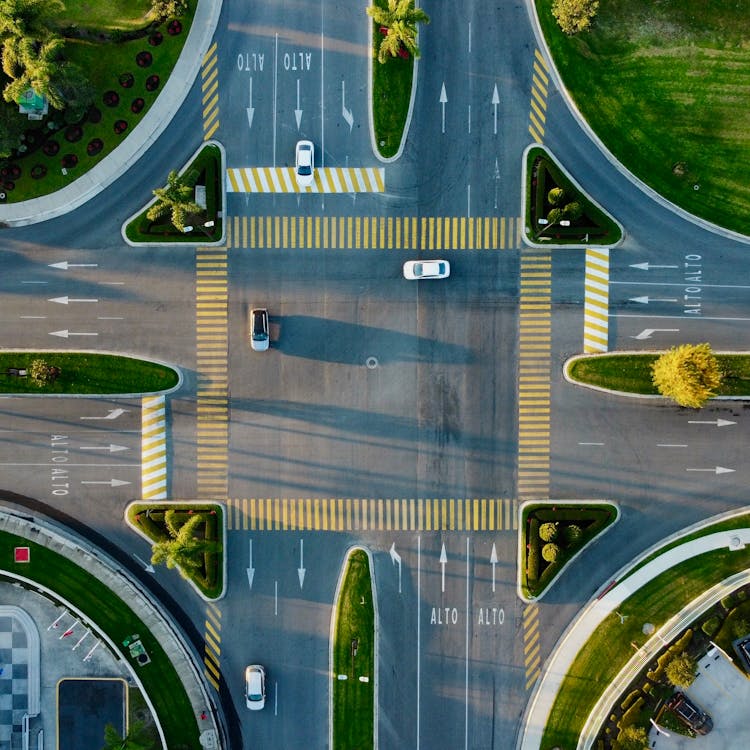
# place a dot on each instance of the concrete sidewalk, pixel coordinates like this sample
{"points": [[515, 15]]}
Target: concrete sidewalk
{"points": [[144, 135], [95, 562], [588, 621]]}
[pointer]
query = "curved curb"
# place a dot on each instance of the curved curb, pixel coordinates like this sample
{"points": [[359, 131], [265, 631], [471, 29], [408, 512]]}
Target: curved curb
{"points": [[166, 392], [628, 394], [407, 124], [153, 124], [331, 639], [566, 246], [519, 591], [594, 138], [558, 662], [222, 213], [70, 547], [182, 503]]}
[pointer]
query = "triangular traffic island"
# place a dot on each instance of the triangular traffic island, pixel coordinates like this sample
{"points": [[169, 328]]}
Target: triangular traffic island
{"points": [[557, 211], [189, 209], [551, 534]]}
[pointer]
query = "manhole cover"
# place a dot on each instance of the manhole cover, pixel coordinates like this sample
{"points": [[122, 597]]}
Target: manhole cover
{"points": [[371, 363]]}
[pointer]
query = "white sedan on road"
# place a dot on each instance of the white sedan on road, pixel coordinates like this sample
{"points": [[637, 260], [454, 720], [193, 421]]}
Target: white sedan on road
{"points": [[426, 269], [304, 163]]}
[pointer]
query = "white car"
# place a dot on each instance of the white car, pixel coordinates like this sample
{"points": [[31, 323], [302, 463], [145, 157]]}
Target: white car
{"points": [[255, 687], [259, 338], [427, 269], [304, 163]]}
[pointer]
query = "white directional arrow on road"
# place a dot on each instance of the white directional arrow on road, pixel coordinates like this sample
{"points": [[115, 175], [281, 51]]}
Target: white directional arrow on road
{"points": [[714, 422], [64, 265], [110, 482], [298, 111], [443, 101], [646, 333], [715, 470], [250, 109], [646, 300], [301, 570], [396, 559], [346, 113], [111, 414], [648, 266], [112, 448], [65, 333], [493, 562], [495, 102], [443, 561], [146, 566], [250, 569], [67, 300]]}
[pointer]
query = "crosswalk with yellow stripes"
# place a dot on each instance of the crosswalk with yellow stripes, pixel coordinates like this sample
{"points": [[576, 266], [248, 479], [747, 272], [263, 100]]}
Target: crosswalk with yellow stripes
{"points": [[535, 342], [212, 645], [531, 646], [596, 301], [210, 92], [385, 514], [539, 92], [327, 180], [213, 392], [375, 232]]}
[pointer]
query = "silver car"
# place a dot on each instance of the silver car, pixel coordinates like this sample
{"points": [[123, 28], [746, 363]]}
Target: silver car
{"points": [[304, 163], [255, 687], [259, 338], [426, 269]]}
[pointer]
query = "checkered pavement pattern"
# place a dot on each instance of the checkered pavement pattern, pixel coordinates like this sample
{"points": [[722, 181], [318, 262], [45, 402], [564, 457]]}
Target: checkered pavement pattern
{"points": [[14, 699]]}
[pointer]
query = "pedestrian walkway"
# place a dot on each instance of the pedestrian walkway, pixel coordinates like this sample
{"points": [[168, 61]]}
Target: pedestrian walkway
{"points": [[327, 180], [616, 592]]}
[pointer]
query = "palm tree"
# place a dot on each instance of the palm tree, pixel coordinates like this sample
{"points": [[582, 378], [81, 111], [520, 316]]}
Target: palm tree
{"points": [[135, 739], [183, 549], [28, 18], [400, 18], [175, 199]]}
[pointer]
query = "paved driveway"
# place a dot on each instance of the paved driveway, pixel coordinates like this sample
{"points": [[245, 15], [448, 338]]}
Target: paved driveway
{"points": [[724, 693]]}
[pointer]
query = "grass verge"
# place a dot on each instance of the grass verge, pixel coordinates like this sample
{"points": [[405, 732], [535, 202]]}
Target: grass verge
{"points": [[206, 168], [666, 86], [631, 373], [354, 656], [113, 616], [391, 95], [87, 373], [209, 576]]}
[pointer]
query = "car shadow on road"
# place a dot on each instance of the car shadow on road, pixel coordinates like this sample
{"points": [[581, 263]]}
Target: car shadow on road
{"points": [[350, 343]]}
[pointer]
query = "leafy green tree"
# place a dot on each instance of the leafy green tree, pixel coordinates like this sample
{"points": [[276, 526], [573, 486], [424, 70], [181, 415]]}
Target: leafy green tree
{"points": [[555, 195], [681, 671], [688, 374], [572, 533], [548, 531], [12, 126], [573, 210], [632, 737], [554, 216], [574, 16], [137, 738], [168, 8], [177, 199], [41, 372], [184, 549], [550, 552], [28, 18], [740, 627], [400, 18]]}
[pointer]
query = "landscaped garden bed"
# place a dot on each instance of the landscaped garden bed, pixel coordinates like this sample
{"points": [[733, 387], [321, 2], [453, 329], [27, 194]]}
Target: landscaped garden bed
{"points": [[83, 372], [558, 212], [188, 536], [205, 169], [551, 534]]}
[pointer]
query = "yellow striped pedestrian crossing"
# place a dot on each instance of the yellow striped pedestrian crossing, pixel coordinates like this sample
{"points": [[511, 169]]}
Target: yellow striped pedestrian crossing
{"points": [[327, 180], [212, 650], [385, 514], [412, 233], [531, 646], [539, 92], [153, 448], [210, 93], [596, 301]]}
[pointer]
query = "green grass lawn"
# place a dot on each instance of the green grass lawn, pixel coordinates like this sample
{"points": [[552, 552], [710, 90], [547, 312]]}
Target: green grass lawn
{"points": [[609, 648], [631, 373], [113, 616], [353, 701], [87, 373], [666, 86], [105, 14]]}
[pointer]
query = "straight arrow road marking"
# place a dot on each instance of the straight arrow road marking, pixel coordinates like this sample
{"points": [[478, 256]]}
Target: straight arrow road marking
{"points": [[112, 448], [64, 265], [493, 562], [301, 570], [250, 569], [648, 266], [250, 109], [714, 422], [65, 333], [443, 561], [110, 482], [443, 100], [646, 300], [146, 566], [715, 470], [66, 300], [495, 102]]}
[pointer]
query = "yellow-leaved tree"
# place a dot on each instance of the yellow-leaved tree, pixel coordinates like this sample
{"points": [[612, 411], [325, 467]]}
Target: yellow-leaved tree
{"points": [[688, 374], [573, 16]]}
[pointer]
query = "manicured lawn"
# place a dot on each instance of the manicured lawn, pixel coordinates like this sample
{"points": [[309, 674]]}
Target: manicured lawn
{"points": [[205, 169], [113, 616], [667, 88], [105, 14], [353, 701], [391, 94], [149, 518], [87, 373], [609, 648], [631, 373], [55, 143]]}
